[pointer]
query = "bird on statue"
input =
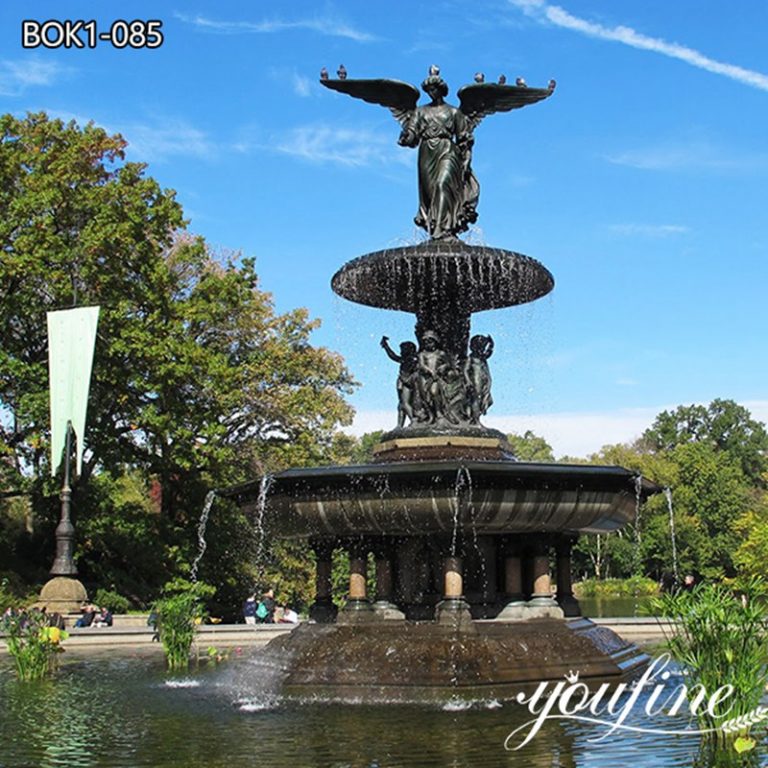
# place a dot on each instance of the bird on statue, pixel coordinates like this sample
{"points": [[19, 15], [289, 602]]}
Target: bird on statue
{"points": [[323, 74], [342, 72], [502, 79], [551, 85], [520, 82], [479, 77]]}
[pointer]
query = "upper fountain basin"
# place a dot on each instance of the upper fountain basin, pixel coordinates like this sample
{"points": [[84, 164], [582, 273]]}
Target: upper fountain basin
{"points": [[472, 278], [490, 497]]}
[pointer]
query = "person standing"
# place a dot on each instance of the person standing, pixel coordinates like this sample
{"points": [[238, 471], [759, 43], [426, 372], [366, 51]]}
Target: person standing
{"points": [[249, 609], [267, 614]]}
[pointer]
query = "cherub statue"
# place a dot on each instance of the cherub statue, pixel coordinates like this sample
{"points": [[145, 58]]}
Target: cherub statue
{"points": [[448, 190], [406, 379], [477, 375], [434, 365]]}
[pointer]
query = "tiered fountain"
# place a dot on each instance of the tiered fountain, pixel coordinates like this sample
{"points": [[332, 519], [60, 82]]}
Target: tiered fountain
{"points": [[462, 534]]}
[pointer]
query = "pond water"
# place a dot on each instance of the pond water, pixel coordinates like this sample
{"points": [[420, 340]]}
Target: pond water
{"points": [[129, 712]]}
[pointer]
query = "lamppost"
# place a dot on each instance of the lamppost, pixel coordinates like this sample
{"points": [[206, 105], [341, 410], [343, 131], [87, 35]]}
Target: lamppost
{"points": [[64, 564], [71, 341]]}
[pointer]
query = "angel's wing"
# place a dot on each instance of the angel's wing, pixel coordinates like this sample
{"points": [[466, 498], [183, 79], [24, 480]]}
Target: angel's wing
{"points": [[399, 97], [477, 101]]}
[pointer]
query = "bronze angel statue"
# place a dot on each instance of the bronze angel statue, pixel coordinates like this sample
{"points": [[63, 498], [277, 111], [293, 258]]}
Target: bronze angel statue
{"points": [[448, 189]]}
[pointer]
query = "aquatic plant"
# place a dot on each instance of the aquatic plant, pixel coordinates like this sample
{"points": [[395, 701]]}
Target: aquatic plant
{"points": [[32, 642], [178, 613], [719, 638]]}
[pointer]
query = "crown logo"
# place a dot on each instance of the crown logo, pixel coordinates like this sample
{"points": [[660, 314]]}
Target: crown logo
{"points": [[572, 677]]}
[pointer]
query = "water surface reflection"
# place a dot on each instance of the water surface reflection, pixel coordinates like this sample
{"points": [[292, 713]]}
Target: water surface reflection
{"points": [[127, 712]]}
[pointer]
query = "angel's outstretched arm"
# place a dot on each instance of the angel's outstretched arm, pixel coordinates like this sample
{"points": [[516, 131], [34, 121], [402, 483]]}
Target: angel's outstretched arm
{"points": [[410, 137]]}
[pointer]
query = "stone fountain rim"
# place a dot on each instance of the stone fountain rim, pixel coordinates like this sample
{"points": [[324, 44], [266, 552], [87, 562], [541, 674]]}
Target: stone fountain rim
{"points": [[558, 475]]}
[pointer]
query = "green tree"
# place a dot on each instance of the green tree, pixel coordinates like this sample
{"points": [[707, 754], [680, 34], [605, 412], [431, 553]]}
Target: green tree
{"points": [[530, 447], [710, 496], [197, 382], [723, 424], [752, 529]]}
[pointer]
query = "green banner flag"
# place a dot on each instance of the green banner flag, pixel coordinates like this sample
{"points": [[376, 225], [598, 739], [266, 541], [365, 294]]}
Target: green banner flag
{"points": [[71, 339]]}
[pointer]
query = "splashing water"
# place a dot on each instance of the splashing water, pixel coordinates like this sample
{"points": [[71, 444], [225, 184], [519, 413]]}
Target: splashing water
{"points": [[668, 495], [463, 484], [258, 522], [201, 526], [638, 535]]}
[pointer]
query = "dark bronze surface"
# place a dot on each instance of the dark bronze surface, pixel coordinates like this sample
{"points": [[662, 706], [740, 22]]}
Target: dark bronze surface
{"points": [[444, 135]]}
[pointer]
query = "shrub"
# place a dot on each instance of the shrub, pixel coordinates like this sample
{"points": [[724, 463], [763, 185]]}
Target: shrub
{"points": [[106, 598], [32, 642], [177, 614], [13, 592], [635, 586]]}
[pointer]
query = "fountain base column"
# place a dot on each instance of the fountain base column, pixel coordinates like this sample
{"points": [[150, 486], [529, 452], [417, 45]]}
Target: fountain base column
{"points": [[453, 609], [323, 610], [515, 607], [358, 607], [542, 604], [383, 606], [565, 597]]}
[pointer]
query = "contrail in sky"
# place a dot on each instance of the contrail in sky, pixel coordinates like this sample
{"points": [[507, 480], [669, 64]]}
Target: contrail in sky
{"points": [[561, 18]]}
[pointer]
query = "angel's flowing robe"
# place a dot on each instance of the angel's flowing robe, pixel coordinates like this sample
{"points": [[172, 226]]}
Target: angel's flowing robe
{"points": [[448, 190]]}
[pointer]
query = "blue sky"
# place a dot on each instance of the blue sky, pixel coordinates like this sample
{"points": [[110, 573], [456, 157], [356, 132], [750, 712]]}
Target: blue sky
{"points": [[641, 184]]}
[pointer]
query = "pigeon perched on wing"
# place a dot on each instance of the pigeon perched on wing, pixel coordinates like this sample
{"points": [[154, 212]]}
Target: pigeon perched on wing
{"points": [[479, 77], [502, 79], [323, 74], [521, 82], [342, 72]]}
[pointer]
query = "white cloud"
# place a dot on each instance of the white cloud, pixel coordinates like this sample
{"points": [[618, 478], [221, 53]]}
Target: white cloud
{"points": [[155, 140], [690, 156], [302, 86], [558, 16], [166, 137], [352, 147], [569, 433], [649, 230], [17, 76], [322, 25]]}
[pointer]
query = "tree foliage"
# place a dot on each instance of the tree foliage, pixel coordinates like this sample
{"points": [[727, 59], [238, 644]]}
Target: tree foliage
{"points": [[724, 425], [531, 447], [708, 457], [197, 381]]}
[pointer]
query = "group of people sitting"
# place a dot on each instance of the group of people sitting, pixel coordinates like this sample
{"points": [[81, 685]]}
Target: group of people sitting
{"points": [[93, 616], [266, 610]]}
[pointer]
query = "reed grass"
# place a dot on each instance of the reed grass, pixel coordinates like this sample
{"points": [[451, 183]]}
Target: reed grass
{"points": [[719, 638], [178, 613]]}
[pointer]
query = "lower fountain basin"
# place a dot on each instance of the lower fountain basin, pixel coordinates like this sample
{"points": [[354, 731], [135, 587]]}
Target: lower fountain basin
{"points": [[420, 661], [431, 497]]}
